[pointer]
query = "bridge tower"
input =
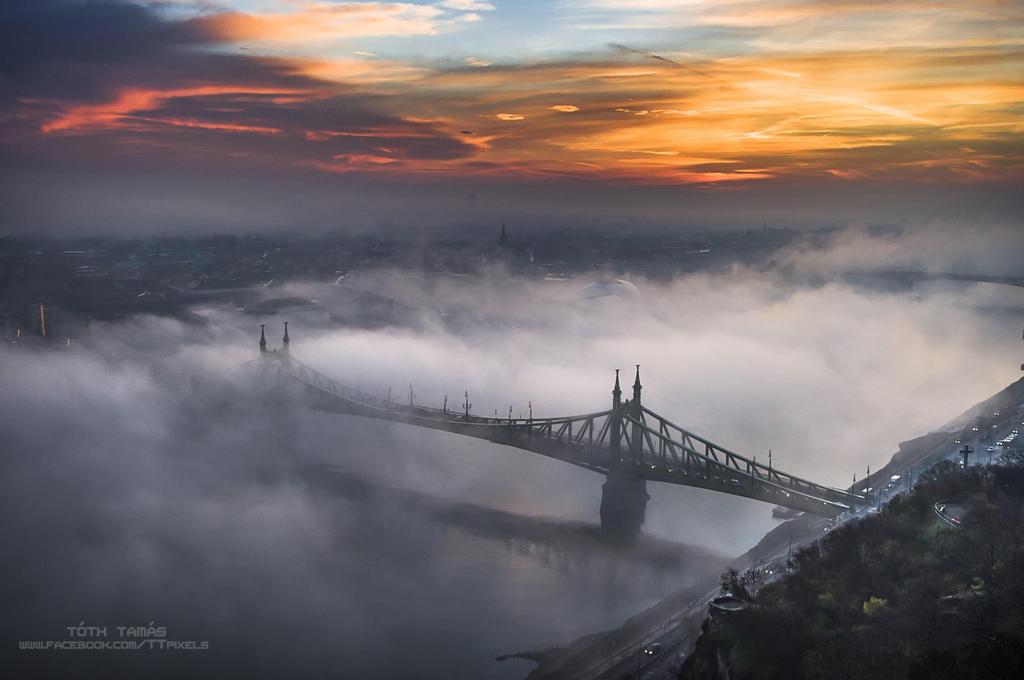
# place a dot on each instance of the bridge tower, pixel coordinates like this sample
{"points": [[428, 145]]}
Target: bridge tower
{"points": [[615, 436], [624, 493], [636, 444]]}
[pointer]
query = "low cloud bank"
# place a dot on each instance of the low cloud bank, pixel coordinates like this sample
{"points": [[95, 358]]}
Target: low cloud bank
{"points": [[950, 247], [141, 471]]}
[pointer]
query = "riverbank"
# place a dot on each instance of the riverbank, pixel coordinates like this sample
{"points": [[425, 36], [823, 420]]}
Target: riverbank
{"points": [[901, 593]]}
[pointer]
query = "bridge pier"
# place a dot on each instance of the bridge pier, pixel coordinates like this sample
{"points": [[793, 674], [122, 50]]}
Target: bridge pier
{"points": [[623, 504], [624, 493]]}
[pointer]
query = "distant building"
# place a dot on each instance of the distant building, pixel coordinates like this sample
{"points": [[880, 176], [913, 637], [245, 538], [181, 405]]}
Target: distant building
{"points": [[616, 287]]}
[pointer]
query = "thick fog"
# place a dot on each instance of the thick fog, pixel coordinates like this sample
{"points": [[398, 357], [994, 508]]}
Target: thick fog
{"points": [[146, 476], [943, 247], [830, 378]]}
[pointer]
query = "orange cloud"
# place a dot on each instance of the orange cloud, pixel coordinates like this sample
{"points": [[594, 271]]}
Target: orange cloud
{"points": [[325, 21], [847, 115], [220, 127], [111, 114], [916, 112]]}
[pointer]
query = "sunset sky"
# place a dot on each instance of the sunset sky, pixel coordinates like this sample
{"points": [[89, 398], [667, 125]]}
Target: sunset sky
{"points": [[118, 111]]}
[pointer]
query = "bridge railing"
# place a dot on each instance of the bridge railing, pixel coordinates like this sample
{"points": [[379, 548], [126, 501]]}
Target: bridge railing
{"points": [[577, 429], [693, 468], [672, 442]]}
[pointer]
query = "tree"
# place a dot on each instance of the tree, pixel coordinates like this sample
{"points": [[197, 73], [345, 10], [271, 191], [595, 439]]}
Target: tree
{"points": [[874, 606]]}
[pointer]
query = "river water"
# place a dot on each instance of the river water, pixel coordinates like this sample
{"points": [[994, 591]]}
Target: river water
{"points": [[427, 588]]}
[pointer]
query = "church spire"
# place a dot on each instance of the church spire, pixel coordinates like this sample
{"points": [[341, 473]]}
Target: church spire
{"points": [[285, 339], [263, 339]]}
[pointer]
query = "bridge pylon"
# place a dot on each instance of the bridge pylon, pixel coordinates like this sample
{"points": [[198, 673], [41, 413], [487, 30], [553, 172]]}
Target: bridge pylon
{"points": [[624, 493], [615, 437], [636, 440]]}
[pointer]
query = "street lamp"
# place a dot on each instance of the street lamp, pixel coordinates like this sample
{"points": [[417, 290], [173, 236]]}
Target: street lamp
{"points": [[966, 451]]}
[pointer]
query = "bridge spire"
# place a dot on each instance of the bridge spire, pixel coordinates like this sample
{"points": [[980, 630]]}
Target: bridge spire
{"points": [[636, 438], [263, 339], [615, 437], [285, 339]]}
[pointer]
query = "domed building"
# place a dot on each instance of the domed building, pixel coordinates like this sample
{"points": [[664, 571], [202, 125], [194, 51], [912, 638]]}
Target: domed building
{"points": [[614, 287]]}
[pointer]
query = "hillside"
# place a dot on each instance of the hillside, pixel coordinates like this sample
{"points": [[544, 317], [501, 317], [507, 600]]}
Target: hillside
{"points": [[904, 593]]}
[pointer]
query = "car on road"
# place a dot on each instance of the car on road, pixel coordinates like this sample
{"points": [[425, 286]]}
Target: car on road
{"points": [[653, 649]]}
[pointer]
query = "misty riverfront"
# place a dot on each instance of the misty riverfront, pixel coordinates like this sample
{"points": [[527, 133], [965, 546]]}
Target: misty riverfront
{"points": [[192, 451]]}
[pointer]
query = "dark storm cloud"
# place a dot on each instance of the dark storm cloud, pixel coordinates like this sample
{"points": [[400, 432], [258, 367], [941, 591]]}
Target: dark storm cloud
{"points": [[110, 89], [89, 51], [59, 54], [36, 32], [63, 52], [75, 49]]}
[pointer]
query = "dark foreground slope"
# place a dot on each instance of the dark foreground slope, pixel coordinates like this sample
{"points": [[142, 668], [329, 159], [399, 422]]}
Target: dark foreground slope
{"points": [[900, 594]]}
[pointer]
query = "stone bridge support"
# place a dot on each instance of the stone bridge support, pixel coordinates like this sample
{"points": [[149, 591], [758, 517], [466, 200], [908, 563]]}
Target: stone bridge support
{"points": [[623, 504]]}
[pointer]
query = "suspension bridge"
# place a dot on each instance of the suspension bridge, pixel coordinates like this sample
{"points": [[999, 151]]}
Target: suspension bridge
{"points": [[628, 443]]}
